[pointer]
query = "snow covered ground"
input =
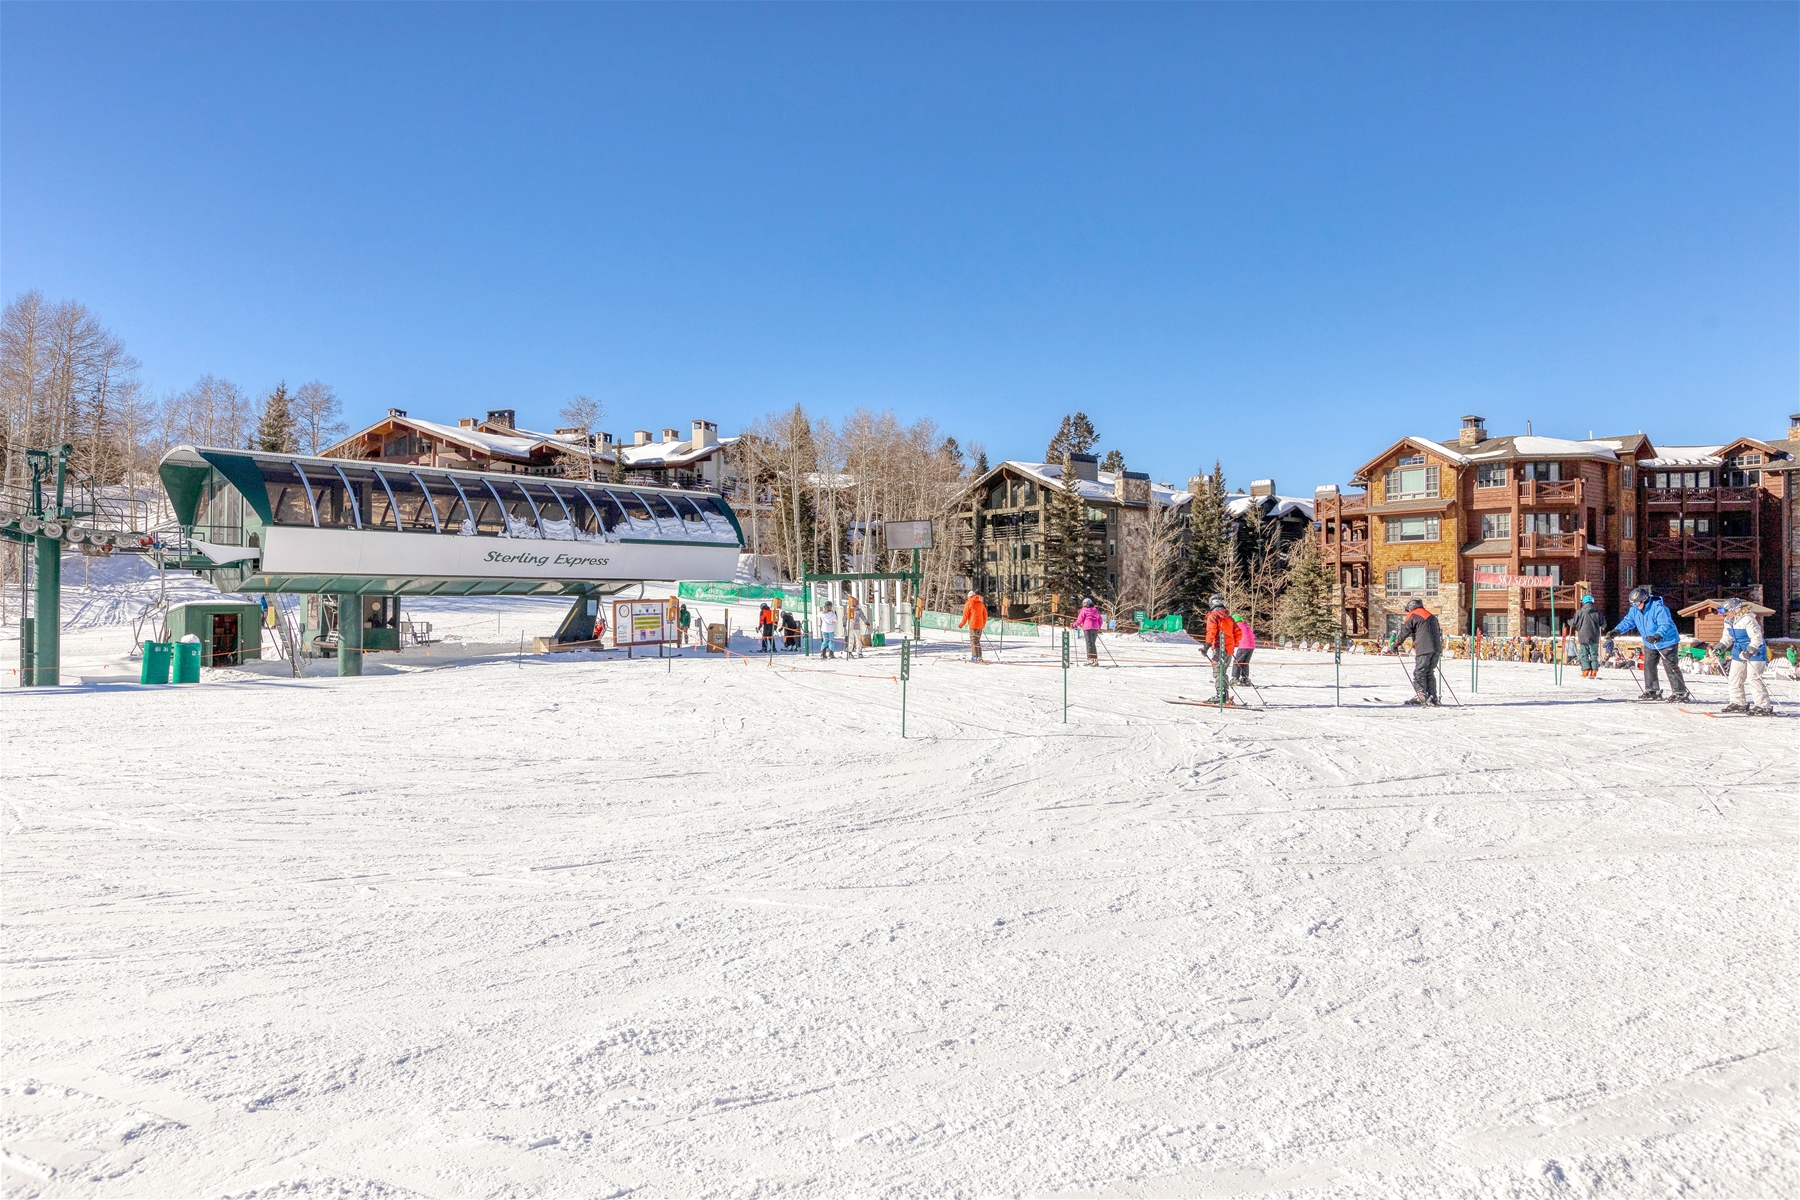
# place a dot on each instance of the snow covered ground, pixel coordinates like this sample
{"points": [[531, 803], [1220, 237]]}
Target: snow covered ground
{"points": [[483, 924]]}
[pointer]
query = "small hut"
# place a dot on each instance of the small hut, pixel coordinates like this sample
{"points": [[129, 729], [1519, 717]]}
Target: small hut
{"points": [[230, 631], [1709, 626]]}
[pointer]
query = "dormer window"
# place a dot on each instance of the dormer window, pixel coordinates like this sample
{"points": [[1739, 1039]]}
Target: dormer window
{"points": [[1412, 482]]}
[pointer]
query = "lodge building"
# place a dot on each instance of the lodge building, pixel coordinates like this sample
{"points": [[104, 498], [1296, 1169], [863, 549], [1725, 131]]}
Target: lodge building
{"points": [[1606, 514]]}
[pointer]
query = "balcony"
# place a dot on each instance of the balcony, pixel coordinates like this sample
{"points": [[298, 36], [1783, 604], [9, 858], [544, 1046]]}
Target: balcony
{"points": [[1357, 552], [1704, 547], [1737, 497], [1568, 598], [1533, 544], [1533, 492], [1680, 595], [1355, 597]]}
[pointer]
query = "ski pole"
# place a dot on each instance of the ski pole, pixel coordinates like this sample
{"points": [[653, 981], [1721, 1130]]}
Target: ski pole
{"points": [[1446, 682]]}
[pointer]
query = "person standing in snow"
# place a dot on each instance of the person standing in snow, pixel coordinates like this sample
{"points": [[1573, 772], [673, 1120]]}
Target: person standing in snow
{"points": [[1743, 640], [683, 619], [765, 629], [1240, 658], [828, 623], [1587, 625], [974, 619], [1221, 643], [1089, 622], [856, 619], [1427, 636], [1649, 618]]}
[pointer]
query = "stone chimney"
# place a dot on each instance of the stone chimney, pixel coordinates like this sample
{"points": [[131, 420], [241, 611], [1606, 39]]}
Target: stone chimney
{"points": [[396, 412], [1262, 487], [671, 435], [705, 434], [1197, 484], [500, 416], [640, 437], [1794, 427], [1326, 490], [465, 422], [1132, 487], [1474, 431], [572, 431], [603, 439], [1086, 467]]}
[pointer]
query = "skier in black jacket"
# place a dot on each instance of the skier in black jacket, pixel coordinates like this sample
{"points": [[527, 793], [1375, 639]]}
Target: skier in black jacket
{"points": [[1427, 637], [1587, 627]]}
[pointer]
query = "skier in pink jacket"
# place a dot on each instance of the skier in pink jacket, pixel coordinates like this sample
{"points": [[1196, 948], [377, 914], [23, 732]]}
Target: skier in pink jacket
{"points": [[1089, 622], [1240, 658]]}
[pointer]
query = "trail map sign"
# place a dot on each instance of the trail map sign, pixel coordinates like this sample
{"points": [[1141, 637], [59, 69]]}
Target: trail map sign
{"points": [[643, 622], [906, 535]]}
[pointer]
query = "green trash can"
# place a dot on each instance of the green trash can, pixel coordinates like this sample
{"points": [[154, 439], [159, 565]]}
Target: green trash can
{"points": [[879, 639], [155, 668], [187, 662]]}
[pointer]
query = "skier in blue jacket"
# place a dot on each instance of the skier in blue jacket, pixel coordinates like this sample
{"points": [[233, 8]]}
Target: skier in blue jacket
{"points": [[1649, 618]]}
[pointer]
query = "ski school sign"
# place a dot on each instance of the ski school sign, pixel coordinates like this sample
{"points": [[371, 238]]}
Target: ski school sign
{"points": [[1523, 581]]}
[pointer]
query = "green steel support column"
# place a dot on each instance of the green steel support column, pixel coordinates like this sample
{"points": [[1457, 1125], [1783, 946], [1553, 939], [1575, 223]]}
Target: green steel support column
{"points": [[350, 634], [47, 606]]}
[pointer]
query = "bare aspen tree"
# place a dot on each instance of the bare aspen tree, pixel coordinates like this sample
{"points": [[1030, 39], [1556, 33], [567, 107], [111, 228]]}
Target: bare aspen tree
{"points": [[584, 413], [318, 416], [1151, 580]]}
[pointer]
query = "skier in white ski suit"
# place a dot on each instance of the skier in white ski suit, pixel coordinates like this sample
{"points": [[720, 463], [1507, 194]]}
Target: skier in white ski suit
{"points": [[1743, 640]]}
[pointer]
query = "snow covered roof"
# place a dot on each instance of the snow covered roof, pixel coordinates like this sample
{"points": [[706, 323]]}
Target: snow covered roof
{"points": [[1101, 489], [1684, 456], [670, 454], [1283, 506], [517, 445], [1542, 447]]}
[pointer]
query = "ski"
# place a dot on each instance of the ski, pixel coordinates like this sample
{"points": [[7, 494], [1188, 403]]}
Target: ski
{"points": [[1215, 704]]}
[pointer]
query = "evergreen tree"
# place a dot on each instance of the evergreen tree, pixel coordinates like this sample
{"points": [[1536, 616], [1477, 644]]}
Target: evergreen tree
{"points": [[1071, 568], [1306, 612], [981, 464], [1114, 462], [277, 431], [1208, 564], [1075, 436]]}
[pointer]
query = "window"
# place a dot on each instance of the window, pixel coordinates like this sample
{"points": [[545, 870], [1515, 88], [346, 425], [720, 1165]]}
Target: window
{"points": [[1394, 621], [1412, 483], [1495, 526], [1419, 580], [1625, 478], [1740, 478], [1538, 625], [1630, 576], [1554, 572], [1690, 526], [1415, 460], [289, 497], [1412, 529], [1745, 460], [1494, 625], [1630, 527], [1546, 523], [1541, 472], [1490, 475], [1489, 568]]}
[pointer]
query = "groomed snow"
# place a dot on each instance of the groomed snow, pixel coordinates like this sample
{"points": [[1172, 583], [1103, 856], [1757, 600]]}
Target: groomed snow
{"points": [[488, 924]]}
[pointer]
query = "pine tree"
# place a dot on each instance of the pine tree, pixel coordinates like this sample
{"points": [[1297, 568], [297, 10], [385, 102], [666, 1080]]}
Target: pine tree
{"points": [[1306, 612], [1208, 564], [1071, 569], [277, 431], [1114, 462], [1075, 436], [981, 463]]}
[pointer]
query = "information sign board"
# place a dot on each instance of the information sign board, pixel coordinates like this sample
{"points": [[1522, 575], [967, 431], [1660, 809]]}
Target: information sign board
{"points": [[643, 622], [906, 535]]}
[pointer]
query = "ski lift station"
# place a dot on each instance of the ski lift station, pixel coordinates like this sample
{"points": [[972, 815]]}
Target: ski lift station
{"points": [[360, 536]]}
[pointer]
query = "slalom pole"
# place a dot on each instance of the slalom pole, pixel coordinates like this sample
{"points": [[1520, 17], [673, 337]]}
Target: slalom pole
{"points": [[1065, 666], [1337, 670]]}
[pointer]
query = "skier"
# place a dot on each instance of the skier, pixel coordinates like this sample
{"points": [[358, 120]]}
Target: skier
{"points": [[1221, 643], [1427, 637], [790, 631], [974, 618], [1743, 640], [828, 623], [1587, 626], [1240, 658], [1649, 618], [765, 629], [1089, 622]]}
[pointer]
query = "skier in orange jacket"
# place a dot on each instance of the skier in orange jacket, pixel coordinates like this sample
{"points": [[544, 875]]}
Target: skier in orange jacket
{"points": [[974, 618], [1221, 641]]}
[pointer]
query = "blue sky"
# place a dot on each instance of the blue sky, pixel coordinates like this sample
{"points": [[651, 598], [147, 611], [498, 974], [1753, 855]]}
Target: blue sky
{"points": [[1276, 235]]}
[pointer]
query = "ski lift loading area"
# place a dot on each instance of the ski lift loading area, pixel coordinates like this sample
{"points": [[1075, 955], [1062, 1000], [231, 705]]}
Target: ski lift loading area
{"points": [[368, 533]]}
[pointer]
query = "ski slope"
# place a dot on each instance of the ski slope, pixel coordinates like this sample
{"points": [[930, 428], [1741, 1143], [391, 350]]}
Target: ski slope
{"points": [[482, 923]]}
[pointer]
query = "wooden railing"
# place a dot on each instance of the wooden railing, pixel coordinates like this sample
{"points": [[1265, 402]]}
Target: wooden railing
{"points": [[1549, 543], [1564, 491], [1703, 547]]}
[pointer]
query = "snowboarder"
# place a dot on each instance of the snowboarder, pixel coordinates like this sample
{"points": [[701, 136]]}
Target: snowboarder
{"points": [[1240, 658], [828, 623], [1089, 622], [974, 619], [1221, 643], [1588, 625], [1649, 618], [1743, 640], [1427, 636]]}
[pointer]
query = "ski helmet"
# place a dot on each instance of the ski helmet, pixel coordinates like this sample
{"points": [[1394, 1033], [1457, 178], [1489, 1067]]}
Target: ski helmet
{"points": [[1217, 601], [1414, 603], [1587, 599], [1640, 596], [1730, 605], [1088, 602]]}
